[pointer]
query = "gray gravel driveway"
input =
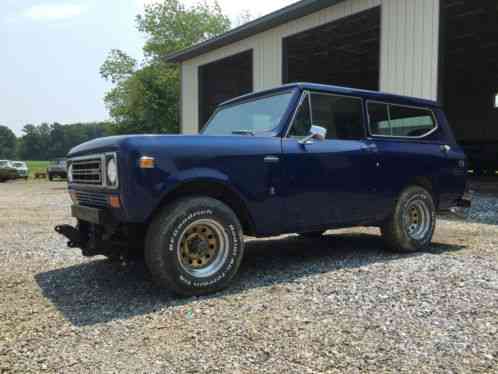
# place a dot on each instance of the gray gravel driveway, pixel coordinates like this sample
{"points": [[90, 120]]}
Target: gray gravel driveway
{"points": [[340, 304]]}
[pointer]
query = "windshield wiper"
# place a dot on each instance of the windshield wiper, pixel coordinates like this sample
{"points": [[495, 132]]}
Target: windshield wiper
{"points": [[243, 132]]}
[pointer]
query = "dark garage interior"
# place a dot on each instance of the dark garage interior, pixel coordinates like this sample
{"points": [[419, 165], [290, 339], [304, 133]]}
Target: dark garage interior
{"points": [[223, 80], [345, 52], [469, 78]]}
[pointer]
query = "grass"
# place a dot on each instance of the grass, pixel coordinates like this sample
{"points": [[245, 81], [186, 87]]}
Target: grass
{"points": [[37, 166]]}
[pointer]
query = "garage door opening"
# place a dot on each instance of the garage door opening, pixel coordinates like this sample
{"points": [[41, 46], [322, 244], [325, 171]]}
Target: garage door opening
{"points": [[223, 80], [345, 52], [469, 71]]}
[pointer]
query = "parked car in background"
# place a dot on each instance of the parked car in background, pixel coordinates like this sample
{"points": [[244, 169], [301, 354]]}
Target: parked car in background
{"points": [[21, 169], [7, 171], [57, 168], [301, 158]]}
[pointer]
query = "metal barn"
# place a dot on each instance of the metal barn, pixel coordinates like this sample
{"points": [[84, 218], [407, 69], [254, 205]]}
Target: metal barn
{"points": [[444, 50]]}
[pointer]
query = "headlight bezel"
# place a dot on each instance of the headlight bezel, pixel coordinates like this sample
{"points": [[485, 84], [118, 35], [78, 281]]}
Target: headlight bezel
{"points": [[109, 183], [105, 181]]}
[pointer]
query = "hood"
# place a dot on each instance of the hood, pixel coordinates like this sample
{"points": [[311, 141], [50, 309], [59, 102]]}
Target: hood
{"points": [[178, 146], [114, 143]]}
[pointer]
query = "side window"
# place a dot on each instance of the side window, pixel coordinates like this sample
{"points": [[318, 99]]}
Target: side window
{"points": [[397, 120], [302, 122], [410, 122], [341, 116], [378, 115]]}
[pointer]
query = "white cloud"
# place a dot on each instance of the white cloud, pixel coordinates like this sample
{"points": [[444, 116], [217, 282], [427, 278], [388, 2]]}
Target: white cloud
{"points": [[44, 12]]}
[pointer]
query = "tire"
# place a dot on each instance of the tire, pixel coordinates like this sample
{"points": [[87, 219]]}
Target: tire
{"points": [[412, 224], [50, 177], [312, 234], [194, 246]]}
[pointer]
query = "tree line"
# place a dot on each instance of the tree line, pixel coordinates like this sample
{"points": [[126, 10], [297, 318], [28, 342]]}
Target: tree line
{"points": [[49, 141]]}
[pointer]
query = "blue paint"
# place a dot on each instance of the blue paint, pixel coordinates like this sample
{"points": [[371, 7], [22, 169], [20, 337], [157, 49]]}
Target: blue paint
{"points": [[332, 183]]}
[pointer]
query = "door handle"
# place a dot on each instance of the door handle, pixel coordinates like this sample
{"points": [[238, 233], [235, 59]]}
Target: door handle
{"points": [[371, 148], [272, 159], [445, 149]]}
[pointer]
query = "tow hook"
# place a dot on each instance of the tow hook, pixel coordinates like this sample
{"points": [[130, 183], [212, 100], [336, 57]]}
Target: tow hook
{"points": [[72, 234]]}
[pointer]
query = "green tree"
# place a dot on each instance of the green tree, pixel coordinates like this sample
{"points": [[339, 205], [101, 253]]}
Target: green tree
{"points": [[8, 143], [145, 99], [49, 141]]}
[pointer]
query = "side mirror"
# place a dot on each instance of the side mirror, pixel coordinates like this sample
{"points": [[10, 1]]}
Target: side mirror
{"points": [[316, 133]]}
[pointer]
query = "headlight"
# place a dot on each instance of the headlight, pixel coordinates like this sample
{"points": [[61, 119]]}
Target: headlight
{"points": [[112, 172]]}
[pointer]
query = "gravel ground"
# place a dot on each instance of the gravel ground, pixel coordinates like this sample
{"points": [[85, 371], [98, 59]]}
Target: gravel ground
{"points": [[334, 305]]}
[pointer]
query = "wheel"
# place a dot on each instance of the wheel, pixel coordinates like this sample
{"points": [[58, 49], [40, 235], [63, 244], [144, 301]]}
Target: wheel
{"points": [[412, 224], [50, 177], [194, 246], [312, 234]]}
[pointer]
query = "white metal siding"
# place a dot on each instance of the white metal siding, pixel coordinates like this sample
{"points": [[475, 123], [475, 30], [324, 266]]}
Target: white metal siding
{"points": [[267, 52], [409, 51], [409, 47]]}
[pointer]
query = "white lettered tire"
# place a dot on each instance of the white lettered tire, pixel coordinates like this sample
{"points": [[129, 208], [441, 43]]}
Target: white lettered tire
{"points": [[413, 222], [194, 246]]}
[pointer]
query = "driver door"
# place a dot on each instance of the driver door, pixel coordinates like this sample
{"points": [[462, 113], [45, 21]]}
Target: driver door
{"points": [[329, 182]]}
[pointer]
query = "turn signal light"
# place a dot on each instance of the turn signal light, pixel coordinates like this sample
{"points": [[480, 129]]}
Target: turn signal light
{"points": [[114, 201], [147, 162]]}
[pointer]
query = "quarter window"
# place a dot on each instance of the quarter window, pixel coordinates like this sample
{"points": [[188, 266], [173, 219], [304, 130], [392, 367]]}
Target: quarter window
{"points": [[399, 121], [302, 122]]}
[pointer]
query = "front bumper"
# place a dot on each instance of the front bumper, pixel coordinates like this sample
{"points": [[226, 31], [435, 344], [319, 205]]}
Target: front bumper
{"points": [[93, 232], [92, 215]]}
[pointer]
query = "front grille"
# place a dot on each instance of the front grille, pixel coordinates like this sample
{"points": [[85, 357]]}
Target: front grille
{"points": [[91, 199], [88, 171]]}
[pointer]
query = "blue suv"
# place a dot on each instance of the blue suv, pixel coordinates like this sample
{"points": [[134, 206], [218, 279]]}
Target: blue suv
{"points": [[301, 158]]}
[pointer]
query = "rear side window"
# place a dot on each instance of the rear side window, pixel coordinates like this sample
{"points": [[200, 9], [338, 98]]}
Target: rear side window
{"points": [[342, 116], [399, 121]]}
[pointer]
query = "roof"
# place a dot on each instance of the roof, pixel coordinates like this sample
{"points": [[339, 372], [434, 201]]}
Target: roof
{"points": [[297, 10], [366, 94]]}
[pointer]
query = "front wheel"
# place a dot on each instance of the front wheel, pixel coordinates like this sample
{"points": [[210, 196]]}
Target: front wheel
{"points": [[194, 246], [412, 224]]}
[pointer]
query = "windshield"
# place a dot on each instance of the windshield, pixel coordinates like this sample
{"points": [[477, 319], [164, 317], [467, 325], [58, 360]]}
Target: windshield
{"points": [[251, 117], [19, 164]]}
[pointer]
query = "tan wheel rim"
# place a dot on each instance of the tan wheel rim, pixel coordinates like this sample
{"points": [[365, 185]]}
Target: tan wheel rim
{"points": [[203, 248]]}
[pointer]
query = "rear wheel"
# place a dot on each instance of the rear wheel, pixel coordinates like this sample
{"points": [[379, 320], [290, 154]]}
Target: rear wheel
{"points": [[50, 177], [412, 224], [194, 246]]}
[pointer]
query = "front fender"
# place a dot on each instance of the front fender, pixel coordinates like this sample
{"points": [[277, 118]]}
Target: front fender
{"points": [[153, 187]]}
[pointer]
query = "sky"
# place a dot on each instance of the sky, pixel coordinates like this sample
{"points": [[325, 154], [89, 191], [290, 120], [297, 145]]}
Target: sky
{"points": [[52, 50]]}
